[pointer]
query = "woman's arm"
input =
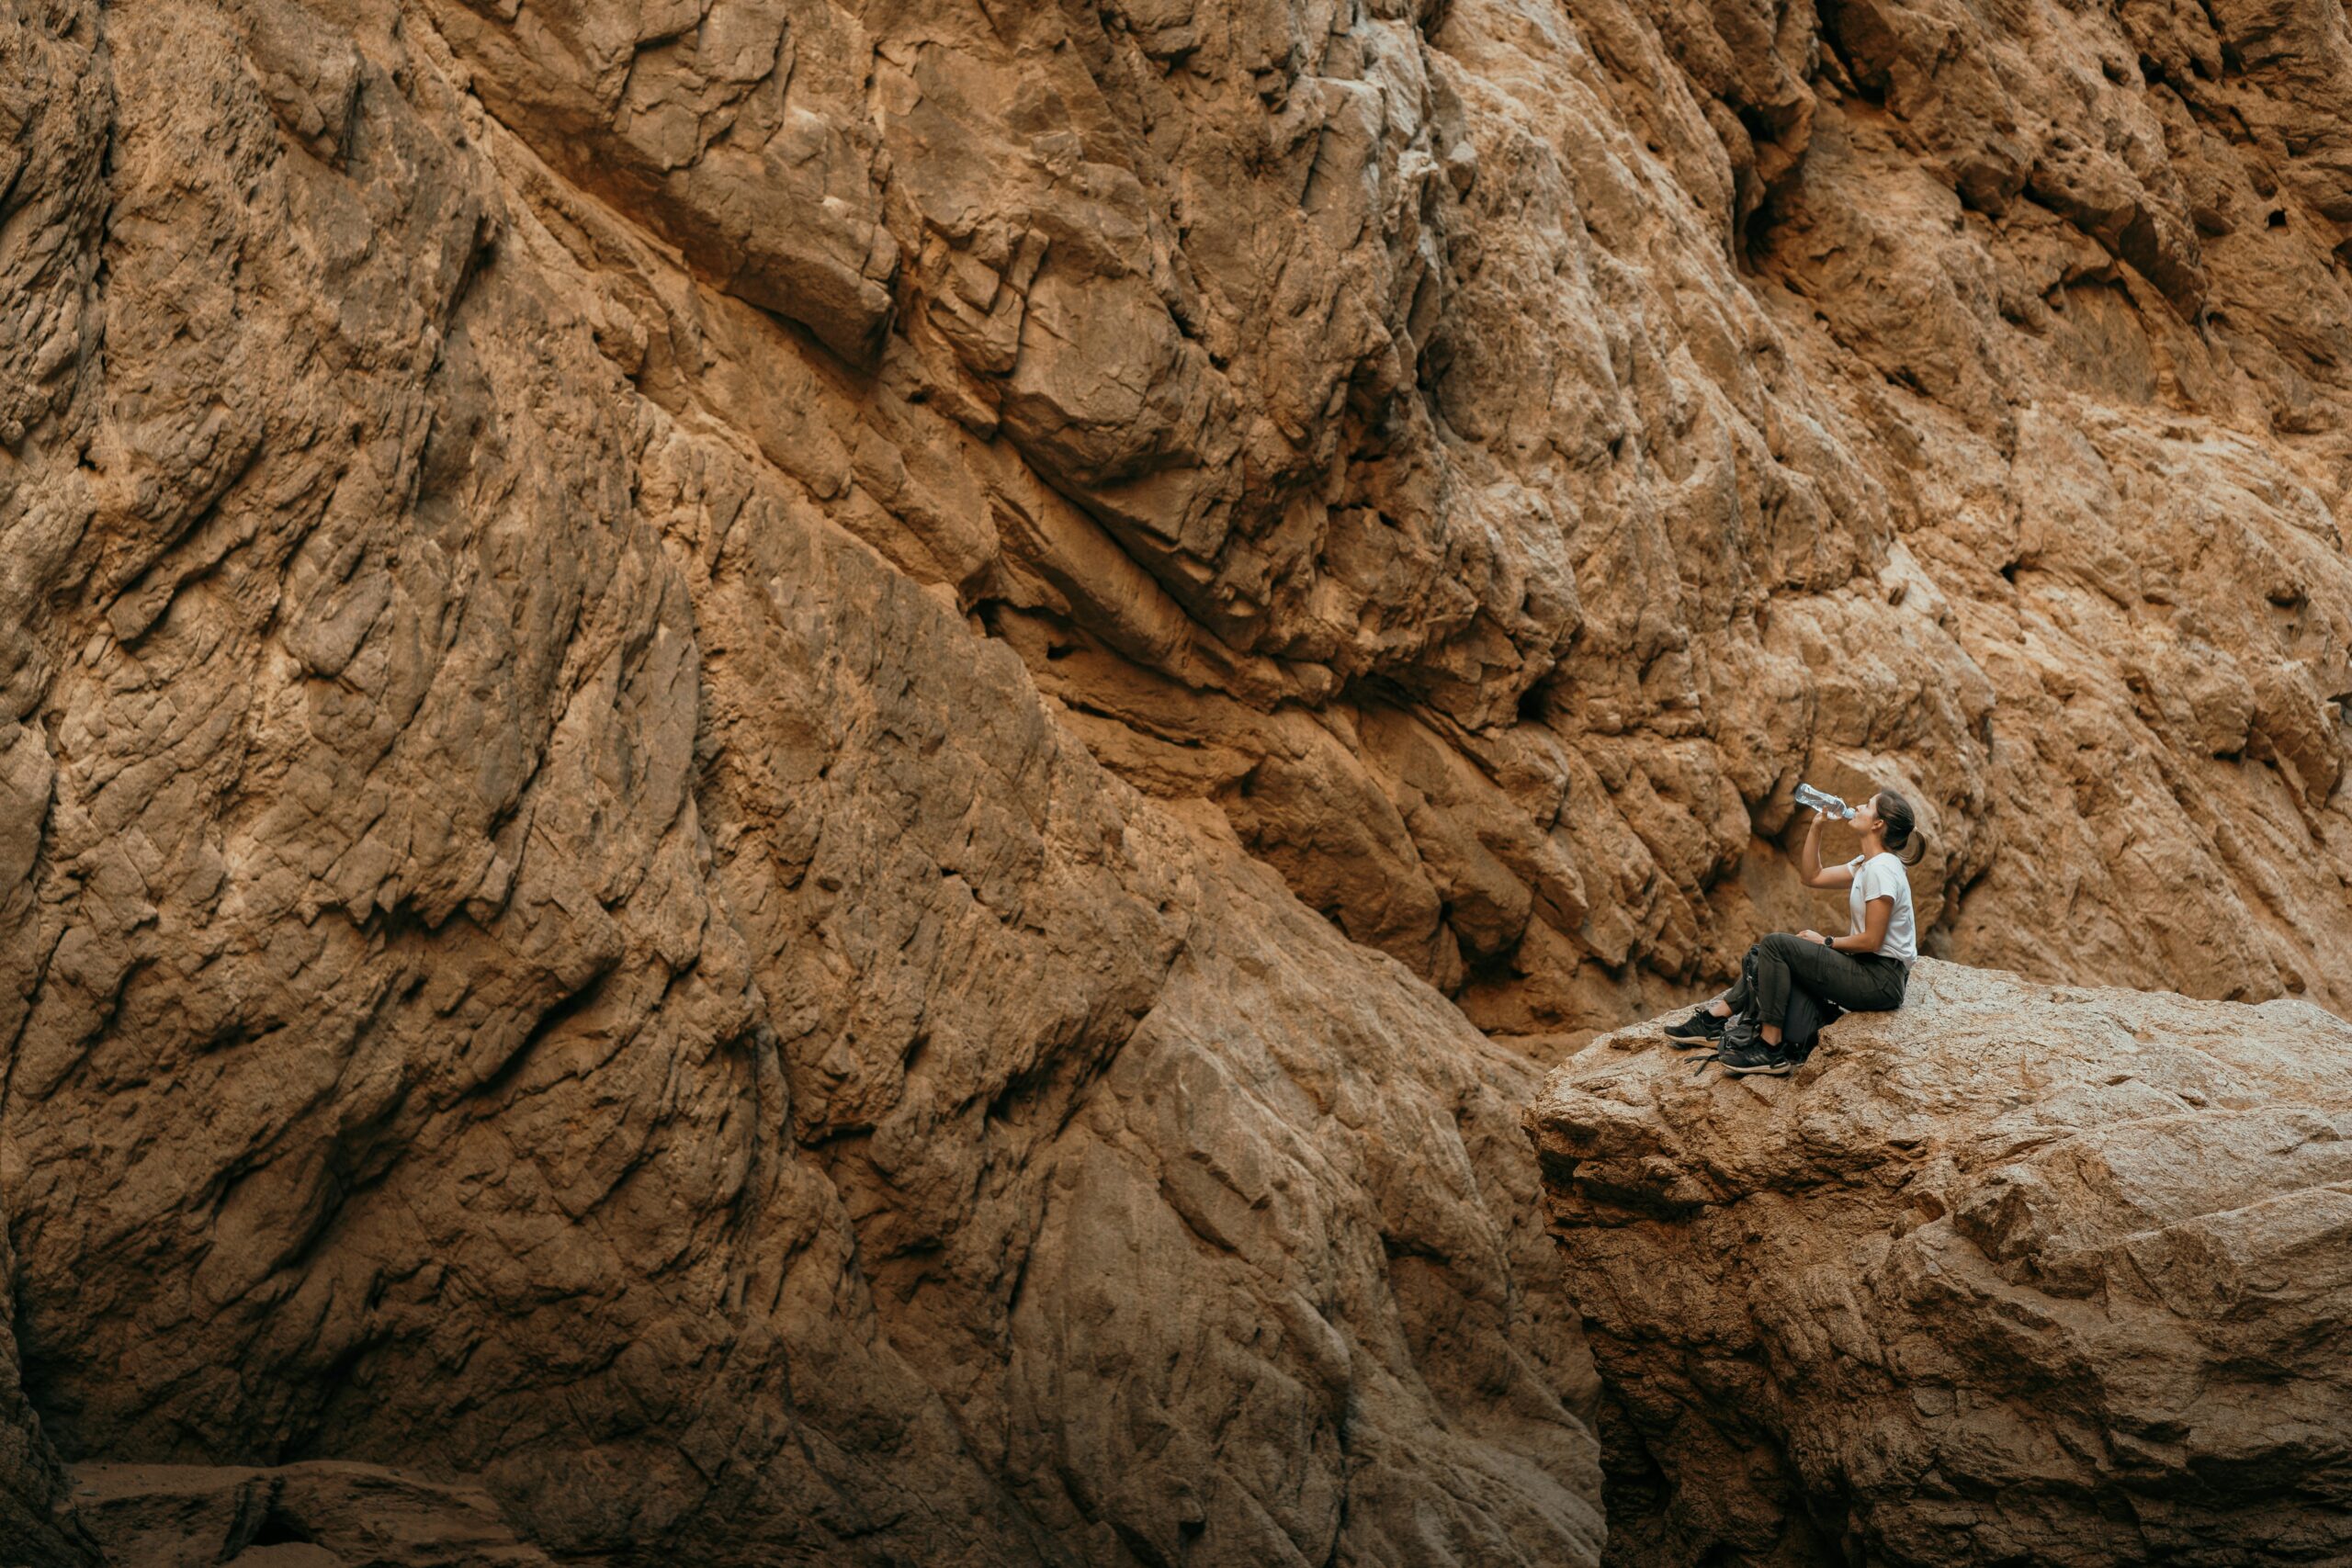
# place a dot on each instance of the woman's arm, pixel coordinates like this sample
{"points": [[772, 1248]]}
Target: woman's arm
{"points": [[1809, 861], [1875, 915]]}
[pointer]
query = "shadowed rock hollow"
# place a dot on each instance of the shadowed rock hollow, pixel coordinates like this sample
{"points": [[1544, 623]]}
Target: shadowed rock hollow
{"points": [[764, 765], [2016, 1274]]}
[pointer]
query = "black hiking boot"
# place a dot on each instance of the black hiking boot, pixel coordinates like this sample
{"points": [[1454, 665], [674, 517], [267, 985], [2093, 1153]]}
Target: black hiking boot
{"points": [[1755, 1057], [1702, 1030]]}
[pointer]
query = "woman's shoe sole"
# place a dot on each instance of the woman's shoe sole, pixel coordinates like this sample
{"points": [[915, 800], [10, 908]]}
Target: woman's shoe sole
{"points": [[1769, 1069], [1694, 1042]]}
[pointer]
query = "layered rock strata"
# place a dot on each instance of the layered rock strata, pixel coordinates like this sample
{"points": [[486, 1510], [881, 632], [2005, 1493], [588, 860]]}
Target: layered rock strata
{"points": [[745, 748], [2014, 1274], [1479, 455], [535, 953]]}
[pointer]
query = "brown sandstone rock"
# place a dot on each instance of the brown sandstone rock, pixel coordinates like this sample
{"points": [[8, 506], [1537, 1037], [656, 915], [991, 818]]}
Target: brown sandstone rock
{"points": [[573, 580], [39, 1525], [1880, 398], [2013, 1274], [535, 953], [320, 1515]]}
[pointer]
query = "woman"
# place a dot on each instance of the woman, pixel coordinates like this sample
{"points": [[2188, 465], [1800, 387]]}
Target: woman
{"points": [[1862, 971]]}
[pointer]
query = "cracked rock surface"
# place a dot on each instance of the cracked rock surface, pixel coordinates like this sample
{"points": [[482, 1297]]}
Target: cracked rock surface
{"points": [[777, 769], [2014, 1274], [535, 953]]}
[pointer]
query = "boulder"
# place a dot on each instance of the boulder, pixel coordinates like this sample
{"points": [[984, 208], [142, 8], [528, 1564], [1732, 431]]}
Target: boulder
{"points": [[2016, 1273]]}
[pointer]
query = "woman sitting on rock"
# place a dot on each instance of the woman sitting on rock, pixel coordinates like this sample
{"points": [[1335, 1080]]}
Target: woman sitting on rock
{"points": [[1862, 971]]}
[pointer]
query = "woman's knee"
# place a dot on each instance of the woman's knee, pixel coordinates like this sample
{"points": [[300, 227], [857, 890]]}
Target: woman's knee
{"points": [[1780, 944]]}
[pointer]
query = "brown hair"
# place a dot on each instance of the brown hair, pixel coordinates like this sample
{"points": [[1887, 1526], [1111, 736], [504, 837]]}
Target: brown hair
{"points": [[1902, 827]]}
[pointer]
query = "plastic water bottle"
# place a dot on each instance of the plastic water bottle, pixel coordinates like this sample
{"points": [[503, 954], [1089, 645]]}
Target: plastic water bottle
{"points": [[1808, 796]]}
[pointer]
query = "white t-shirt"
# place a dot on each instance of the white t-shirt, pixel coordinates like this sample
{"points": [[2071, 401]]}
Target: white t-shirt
{"points": [[1882, 876]]}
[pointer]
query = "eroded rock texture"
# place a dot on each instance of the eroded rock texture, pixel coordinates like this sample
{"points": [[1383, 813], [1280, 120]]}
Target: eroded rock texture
{"points": [[746, 748], [537, 955], [320, 1515], [2016, 1274]]}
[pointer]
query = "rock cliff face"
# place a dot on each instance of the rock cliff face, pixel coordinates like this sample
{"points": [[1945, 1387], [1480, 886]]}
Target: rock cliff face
{"points": [[536, 953], [2016, 1274], [760, 759]]}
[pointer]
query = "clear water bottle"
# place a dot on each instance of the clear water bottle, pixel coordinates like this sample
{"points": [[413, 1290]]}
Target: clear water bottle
{"points": [[1818, 801]]}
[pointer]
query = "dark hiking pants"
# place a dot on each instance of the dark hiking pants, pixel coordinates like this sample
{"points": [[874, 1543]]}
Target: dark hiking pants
{"points": [[1858, 982]]}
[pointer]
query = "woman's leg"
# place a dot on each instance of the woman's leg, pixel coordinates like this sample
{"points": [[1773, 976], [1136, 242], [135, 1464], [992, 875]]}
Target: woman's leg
{"points": [[1857, 984], [1772, 982], [1742, 990]]}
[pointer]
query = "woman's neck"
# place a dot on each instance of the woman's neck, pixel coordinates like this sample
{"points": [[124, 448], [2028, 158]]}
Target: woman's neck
{"points": [[1873, 845]]}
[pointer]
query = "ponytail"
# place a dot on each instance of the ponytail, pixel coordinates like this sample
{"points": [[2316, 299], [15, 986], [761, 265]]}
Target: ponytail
{"points": [[1902, 828]]}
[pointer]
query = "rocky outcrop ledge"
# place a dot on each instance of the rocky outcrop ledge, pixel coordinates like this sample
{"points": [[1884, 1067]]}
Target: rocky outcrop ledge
{"points": [[2016, 1274]]}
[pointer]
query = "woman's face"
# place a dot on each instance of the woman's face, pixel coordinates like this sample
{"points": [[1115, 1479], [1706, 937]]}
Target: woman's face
{"points": [[1866, 817]]}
